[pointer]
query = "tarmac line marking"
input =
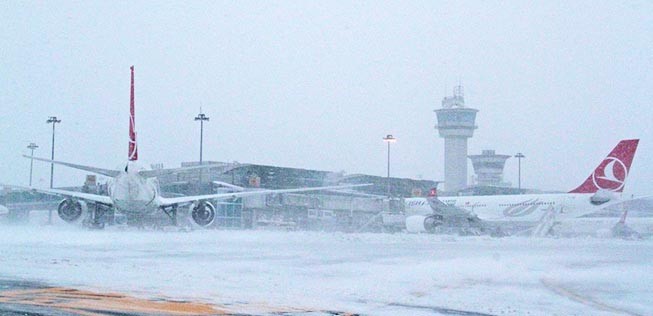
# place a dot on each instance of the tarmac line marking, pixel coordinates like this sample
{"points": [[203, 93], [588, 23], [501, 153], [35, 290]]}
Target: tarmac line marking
{"points": [[89, 303], [588, 301], [86, 303]]}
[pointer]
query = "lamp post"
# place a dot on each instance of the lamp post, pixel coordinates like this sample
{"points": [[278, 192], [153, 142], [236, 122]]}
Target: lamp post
{"points": [[54, 121], [519, 156], [31, 146], [389, 139], [201, 117]]}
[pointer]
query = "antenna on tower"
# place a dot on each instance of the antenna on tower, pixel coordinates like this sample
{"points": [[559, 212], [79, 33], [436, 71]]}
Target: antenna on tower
{"points": [[459, 91], [456, 100]]}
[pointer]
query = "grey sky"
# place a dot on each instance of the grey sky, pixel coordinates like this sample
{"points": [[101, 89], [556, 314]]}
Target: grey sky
{"points": [[318, 84]]}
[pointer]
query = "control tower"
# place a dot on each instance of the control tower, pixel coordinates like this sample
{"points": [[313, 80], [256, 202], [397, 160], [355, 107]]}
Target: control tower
{"points": [[456, 124], [488, 167]]}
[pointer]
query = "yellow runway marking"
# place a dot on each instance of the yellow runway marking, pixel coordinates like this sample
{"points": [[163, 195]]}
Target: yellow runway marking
{"points": [[89, 303]]}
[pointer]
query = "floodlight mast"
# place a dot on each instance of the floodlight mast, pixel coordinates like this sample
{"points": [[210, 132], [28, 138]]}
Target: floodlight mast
{"points": [[389, 139], [54, 121], [519, 156], [201, 117], [31, 146]]}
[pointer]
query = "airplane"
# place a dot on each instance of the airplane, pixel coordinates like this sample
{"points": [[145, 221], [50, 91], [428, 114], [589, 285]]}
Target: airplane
{"points": [[600, 190], [133, 189]]}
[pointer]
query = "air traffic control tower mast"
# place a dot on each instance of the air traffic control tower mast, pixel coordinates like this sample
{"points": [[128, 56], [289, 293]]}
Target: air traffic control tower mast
{"points": [[456, 124], [489, 168]]}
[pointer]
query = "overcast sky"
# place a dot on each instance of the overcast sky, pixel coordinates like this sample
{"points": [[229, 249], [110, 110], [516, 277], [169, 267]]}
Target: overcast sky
{"points": [[318, 84]]}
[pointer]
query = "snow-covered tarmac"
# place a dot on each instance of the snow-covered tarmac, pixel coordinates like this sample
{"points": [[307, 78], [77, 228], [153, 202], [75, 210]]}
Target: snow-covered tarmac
{"points": [[371, 274]]}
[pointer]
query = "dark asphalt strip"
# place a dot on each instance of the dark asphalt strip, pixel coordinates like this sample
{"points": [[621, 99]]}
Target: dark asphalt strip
{"points": [[441, 310]]}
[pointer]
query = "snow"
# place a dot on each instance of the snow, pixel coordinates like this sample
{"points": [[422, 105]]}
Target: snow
{"points": [[372, 274]]}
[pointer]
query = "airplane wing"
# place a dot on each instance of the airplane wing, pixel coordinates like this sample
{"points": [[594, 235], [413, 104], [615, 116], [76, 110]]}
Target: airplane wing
{"points": [[229, 185], [222, 196], [357, 193], [80, 195], [161, 172], [591, 210], [104, 172], [621, 201]]}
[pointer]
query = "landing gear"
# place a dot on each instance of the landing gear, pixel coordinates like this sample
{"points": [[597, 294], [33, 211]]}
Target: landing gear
{"points": [[99, 216], [135, 221], [171, 211]]}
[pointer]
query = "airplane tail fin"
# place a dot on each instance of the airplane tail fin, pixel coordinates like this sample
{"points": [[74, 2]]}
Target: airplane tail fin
{"points": [[133, 148], [611, 173]]}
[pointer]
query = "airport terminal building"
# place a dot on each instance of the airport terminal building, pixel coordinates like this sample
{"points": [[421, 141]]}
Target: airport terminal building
{"points": [[361, 209]]}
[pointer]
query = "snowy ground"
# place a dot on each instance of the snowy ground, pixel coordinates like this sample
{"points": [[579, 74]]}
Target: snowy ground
{"points": [[370, 274]]}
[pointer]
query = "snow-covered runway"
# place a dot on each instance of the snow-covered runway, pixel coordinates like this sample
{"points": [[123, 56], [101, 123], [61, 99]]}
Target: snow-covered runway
{"points": [[371, 274]]}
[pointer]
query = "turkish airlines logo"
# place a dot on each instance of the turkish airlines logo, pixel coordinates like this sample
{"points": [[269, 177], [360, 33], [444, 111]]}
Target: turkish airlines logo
{"points": [[610, 175], [522, 208]]}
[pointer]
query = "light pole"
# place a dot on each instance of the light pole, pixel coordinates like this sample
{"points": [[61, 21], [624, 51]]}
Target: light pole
{"points": [[54, 121], [519, 156], [31, 146], [389, 139], [201, 117]]}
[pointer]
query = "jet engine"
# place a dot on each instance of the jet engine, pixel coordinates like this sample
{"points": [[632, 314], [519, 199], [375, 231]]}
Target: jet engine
{"points": [[601, 197], [71, 210], [203, 213], [423, 224]]}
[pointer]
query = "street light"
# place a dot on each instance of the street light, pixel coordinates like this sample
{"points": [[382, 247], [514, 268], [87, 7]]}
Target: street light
{"points": [[519, 156], [31, 146], [201, 117], [54, 121], [389, 139]]}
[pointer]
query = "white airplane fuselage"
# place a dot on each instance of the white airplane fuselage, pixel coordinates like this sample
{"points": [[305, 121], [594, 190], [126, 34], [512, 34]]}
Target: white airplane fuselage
{"points": [[513, 208], [133, 193]]}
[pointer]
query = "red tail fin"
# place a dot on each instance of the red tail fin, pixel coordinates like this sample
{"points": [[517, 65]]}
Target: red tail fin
{"points": [[133, 148], [611, 174]]}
